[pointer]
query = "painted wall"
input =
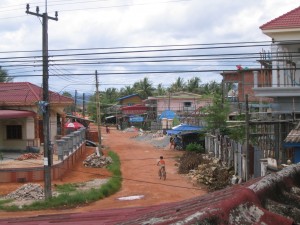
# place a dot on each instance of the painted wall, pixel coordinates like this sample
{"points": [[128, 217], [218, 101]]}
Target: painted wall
{"points": [[134, 100], [27, 128], [177, 105]]}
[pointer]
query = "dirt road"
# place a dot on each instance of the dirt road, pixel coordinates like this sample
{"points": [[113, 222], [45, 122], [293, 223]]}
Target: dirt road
{"points": [[140, 177]]}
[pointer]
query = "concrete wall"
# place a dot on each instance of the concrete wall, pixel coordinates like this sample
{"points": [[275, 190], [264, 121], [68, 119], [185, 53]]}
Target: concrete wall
{"points": [[33, 174]]}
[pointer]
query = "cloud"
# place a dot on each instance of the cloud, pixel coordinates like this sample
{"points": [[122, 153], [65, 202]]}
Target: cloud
{"points": [[132, 23]]}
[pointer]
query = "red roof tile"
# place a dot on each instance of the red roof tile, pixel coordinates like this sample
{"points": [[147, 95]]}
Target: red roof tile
{"points": [[288, 20], [25, 93]]}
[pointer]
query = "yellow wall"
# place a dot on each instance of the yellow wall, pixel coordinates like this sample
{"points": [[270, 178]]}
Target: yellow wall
{"points": [[134, 100]]}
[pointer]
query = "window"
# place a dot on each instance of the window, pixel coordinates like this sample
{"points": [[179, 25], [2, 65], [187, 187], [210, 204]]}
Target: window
{"points": [[14, 132], [187, 104]]}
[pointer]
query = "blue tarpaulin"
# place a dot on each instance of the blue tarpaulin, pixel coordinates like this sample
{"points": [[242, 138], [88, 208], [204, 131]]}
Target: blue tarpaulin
{"points": [[184, 128], [169, 114]]}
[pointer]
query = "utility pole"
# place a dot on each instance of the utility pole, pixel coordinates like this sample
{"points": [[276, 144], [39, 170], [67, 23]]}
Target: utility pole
{"points": [[98, 114], [247, 138], [46, 109], [75, 102], [83, 105]]}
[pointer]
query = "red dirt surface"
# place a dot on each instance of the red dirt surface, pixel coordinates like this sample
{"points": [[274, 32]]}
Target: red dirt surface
{"points": [[139, 172]]}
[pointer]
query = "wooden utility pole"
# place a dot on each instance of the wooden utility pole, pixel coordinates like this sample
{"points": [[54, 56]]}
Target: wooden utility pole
{"points": [[247, 139], [83, 105], [98, 113], [75, 107], [45, 105]]}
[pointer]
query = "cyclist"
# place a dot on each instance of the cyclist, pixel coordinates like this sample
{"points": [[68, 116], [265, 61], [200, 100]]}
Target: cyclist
{"points": [[162, 165]]}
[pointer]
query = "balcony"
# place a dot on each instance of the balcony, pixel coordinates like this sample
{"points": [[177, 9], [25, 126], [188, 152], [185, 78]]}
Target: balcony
{"points": [[285, 91]]}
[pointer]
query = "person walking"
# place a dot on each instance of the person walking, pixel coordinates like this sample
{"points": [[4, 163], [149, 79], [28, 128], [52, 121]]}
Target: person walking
{"points": [[107, 129]]}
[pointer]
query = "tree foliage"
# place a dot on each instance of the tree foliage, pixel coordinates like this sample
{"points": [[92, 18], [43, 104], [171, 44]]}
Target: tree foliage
{"points": [[217, 115], [145, 88], [4, 76]]}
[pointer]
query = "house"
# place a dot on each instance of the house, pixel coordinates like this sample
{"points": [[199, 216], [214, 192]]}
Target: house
{"points": [[284, 61], [185, 105], [21, 122], [129, 100], [127, 110], [284, 87], [238, 83]]}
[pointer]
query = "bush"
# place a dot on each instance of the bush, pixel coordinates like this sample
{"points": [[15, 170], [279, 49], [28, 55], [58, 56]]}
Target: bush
{"points": [[194, 147]]}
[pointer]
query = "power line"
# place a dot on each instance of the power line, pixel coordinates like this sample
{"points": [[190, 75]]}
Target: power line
{"points": [[128, 179]]}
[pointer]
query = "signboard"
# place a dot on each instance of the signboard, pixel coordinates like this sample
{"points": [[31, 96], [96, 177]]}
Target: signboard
{"points": [[136, 119]]}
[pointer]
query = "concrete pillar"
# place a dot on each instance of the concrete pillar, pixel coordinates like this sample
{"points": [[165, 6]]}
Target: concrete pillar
{"points": [[77, 138], [60, 149], [255, 79], [73, 140], [69, 145]]}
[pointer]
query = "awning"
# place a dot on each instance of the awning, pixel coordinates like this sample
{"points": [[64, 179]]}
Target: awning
{"points": [[184, 129], [11, 114], [169, 114]]}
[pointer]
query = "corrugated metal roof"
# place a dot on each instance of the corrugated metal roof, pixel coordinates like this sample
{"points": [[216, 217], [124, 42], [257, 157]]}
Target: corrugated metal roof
{"points": [[25, 93], [127, 96], [293, 136], [269, 200], [288, 20]]}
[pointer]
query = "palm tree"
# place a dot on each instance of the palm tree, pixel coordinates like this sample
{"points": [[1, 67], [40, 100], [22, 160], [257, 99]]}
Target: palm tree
{"points": [[144, 88], [179, 85], [193, 85], [160, 90], [127, 90]]}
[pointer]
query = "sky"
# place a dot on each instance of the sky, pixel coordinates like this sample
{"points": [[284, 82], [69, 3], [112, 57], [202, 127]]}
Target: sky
{"points": [[128, 40]]}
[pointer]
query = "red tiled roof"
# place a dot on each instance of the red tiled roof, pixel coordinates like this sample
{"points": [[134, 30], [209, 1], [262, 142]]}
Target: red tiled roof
{"points": [[288, 20], [25, 93], [270, 200]]}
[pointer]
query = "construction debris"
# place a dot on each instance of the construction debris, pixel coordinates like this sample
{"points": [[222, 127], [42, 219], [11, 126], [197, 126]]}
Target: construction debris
{"points": [[189, 161], [203, 169], [27, 192], [96, 161], [29, 156]]}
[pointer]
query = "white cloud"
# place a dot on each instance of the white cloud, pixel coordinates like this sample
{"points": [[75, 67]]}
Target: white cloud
{"points": [[103, 24]]}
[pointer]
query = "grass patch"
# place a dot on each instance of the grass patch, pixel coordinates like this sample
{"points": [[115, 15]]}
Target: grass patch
{"points": [[67, 200]]}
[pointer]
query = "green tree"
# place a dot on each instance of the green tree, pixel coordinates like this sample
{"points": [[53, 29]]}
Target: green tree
{"points": [[4, 77], [216, 115], [211, 88], [127, 90], [71, 108], [193, 85], [144, 88], [178, 85], [160, 90]]}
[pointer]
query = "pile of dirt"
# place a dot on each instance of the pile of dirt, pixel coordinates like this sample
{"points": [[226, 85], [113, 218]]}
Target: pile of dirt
{"points": [[96, 161]]}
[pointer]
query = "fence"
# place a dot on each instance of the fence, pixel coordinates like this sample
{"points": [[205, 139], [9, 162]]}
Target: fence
{"points": [[69, 149]]}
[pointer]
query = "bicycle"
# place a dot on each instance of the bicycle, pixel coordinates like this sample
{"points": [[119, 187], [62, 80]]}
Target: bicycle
{"points": [[179, 146], [162, 173]]}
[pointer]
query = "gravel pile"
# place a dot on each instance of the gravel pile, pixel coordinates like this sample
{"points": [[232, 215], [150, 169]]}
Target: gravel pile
{"points": [[96, 161], [27, 192], [155, 139]]}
